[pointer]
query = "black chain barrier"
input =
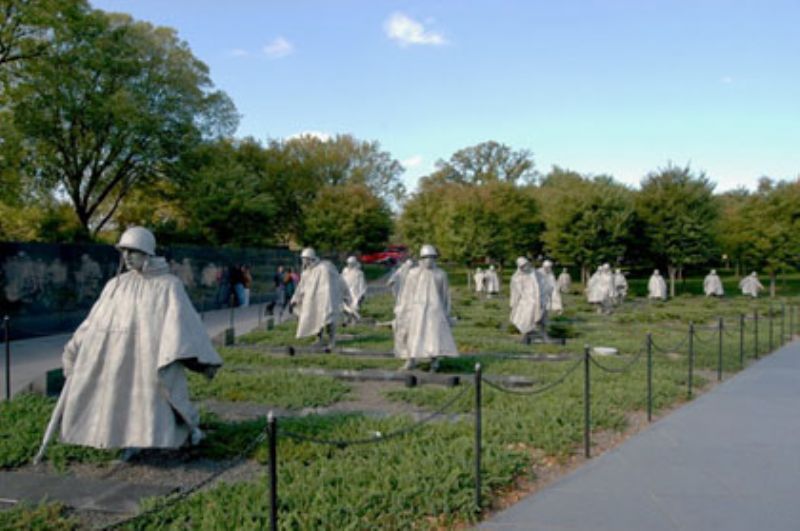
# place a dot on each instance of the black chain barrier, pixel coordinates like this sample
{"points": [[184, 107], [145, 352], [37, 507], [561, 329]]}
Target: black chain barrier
{"points": [[531, 392], [619, 370], [706, 340], [175, 498], [378, 438], [676, 348]]}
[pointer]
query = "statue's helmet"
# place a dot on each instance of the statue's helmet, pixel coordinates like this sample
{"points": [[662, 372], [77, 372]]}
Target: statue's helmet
{"points": [[352, 260], [522, 261], [713, 271], [547, 263], [309, 253], [138, 239], [428, 251]]}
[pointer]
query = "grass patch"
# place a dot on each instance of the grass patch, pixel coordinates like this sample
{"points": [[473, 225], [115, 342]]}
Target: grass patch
{"points": [[50, 516], [279, 388], [23, 421]]}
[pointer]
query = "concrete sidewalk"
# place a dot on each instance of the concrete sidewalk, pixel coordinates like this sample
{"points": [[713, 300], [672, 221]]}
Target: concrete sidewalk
{"points": [[729, 460], [31, 358]]}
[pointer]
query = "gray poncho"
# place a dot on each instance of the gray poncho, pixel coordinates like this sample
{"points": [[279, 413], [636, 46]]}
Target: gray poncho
{"points": [[126, 385]]}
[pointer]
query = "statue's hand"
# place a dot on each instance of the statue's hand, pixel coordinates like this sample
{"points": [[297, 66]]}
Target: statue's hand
{"points": [[210, 371]]}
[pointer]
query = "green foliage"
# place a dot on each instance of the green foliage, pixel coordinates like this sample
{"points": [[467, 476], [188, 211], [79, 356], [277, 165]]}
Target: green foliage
{"points": [[22, 424], [129, 99], [277, 388], [45, 516], [346, 218], [588, 220], [760, 229], [678, 215], [486, 162], [469, 222]]}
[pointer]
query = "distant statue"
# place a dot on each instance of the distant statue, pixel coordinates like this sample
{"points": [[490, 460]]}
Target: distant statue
{"points": [[479, 278], [620, 285], [600, 289], [319, 299], [491, 282], [552, 295], [528, 303], [356, 283], [564, 281], [422, 314], [750, 285], [657, 286], [712, 285], [124, 366], [398, 277]]}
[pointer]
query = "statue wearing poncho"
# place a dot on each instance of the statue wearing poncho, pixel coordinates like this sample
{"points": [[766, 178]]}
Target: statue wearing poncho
{"points": [[319, 298], [620, 285], [491, 282], [527, 299], [552, 294], [356, 283], [398, 277], [656, 286], [564, 281], [712, 285], [422, 313], [478, 278], [126, 386], [750, 285]]}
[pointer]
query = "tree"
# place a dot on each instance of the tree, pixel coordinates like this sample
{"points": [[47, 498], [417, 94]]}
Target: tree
{"points": [[112, 104], [588, 220], [468, 223], [347, 218], [678, 213], [487, 162], [732, 225], [25, 27], [770, 227], [344, 160]]}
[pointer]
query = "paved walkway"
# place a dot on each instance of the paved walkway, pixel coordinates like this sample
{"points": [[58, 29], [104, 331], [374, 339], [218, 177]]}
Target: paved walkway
{"points": [[729, 460], [31, 358]]}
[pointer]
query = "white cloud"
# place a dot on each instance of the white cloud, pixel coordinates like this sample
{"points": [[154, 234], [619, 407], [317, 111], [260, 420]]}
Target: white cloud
{"points": [[315, 134], [278, 48], [238, 52], [412, 162], [407, 31]]}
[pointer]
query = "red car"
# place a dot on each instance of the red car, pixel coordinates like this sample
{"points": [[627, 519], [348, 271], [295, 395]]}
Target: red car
{"points": [[392, 255]]}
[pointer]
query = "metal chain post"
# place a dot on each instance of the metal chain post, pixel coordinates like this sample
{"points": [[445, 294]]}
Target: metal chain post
{"points": [[770, 328], [649, 377], [741, 341], [755, 333], [587, 421], [478, 434], [783, 324], [6, 327], [272, 436], [719, 351], [691, 359]]}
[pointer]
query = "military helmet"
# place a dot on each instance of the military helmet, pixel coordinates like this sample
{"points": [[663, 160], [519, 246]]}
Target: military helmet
{"points": [[138, 239]]}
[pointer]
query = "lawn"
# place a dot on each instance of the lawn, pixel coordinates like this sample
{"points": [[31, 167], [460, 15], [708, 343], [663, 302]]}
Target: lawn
{"points": [[424, 479]]}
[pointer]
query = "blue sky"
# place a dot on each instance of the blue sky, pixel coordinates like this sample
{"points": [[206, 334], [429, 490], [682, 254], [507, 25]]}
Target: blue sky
{"points": [[620, 87]]}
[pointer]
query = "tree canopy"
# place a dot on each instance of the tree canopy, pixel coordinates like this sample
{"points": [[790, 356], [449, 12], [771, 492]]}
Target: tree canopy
{"points": [[678, 214], [485, 163], [588, 220], [111, 104]]}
